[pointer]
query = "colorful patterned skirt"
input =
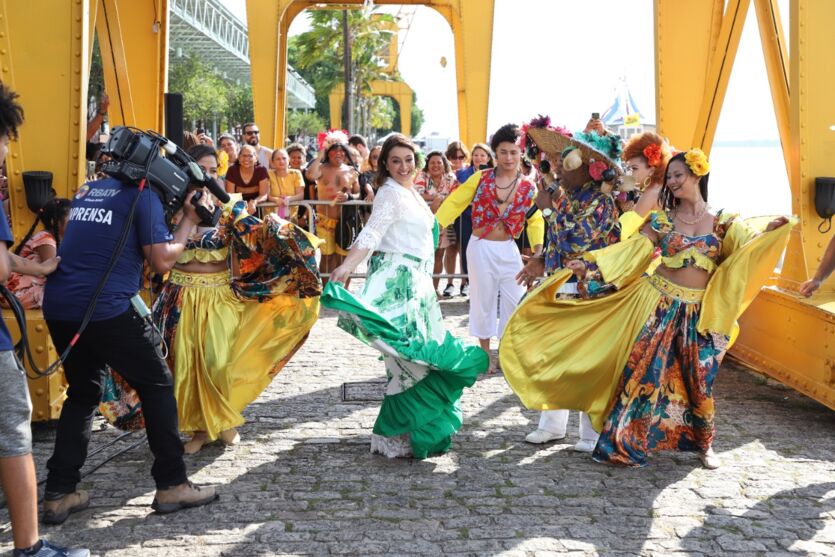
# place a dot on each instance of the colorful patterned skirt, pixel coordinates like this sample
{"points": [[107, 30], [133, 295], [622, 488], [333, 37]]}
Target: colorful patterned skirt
{"points": [[664, 400], [224, 351], [426, 367], [633, 360]]}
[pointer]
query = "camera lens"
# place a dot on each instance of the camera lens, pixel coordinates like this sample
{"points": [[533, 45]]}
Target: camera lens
{"points": [[544, 166]]}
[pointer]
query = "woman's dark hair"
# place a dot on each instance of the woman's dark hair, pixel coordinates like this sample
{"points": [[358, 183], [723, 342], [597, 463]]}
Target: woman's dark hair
{"points": [[11, 113], [50, 215], [349, 160], [200, 150], [447, 166], [486, 148], [509, 133], [393, 141], [666, 198]]}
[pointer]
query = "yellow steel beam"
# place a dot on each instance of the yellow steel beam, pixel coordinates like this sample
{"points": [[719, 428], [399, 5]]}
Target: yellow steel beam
{"points": [[791, 341], [269, 20], [791, 338], [133, 38], [472, 26], [397, 90], [777, 66], [813, 142], [719, 72], [45, 60], [681, 66]]}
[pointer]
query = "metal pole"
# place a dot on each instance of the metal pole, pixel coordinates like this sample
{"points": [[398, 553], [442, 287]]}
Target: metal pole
{"points": [[348, 118]]}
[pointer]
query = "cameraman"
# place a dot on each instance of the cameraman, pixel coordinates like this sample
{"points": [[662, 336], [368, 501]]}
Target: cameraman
{"points": [[17, 469], [116, 336]]}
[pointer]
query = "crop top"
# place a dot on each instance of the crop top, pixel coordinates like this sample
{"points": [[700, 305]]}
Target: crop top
{"points": [[209, 247], [680, 250], [480, 189]]}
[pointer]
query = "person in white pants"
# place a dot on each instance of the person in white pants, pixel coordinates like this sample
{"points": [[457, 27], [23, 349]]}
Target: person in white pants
{"points": [[579, 217], [502, 199]]}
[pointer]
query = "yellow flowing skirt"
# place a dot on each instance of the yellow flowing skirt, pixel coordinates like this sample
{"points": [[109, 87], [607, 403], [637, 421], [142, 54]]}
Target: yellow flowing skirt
{"points": [[224, 351]]}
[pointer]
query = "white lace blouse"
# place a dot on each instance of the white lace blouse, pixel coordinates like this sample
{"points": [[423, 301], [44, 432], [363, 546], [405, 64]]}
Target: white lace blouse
{"points": [[400, 222]]}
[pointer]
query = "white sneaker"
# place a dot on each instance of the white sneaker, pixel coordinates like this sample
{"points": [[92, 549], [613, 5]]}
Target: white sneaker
{"points": [[541, 436], [585, 445]]}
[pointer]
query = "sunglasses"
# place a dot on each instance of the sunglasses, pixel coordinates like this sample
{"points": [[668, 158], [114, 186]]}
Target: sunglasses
{"points": [[252, 132], [458, 158]]}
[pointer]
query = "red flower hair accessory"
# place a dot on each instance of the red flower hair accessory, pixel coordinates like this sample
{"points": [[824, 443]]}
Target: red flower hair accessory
{"points": [[330, 137], [652, 152], [596, 170]]}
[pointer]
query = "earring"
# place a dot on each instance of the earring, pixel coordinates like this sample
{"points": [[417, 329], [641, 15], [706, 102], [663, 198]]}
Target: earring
{"points": [[645, 183]]}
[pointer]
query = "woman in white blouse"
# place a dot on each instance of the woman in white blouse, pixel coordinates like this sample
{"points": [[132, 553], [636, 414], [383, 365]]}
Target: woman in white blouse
{"points": [[398, 314]]}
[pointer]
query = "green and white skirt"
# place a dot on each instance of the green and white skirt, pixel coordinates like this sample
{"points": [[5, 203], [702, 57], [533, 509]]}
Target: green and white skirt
{"points": [[427, 368]]}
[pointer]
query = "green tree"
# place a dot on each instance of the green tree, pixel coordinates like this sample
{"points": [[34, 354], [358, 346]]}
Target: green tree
{"points": [[301, 122], [240, 109], [204, 92], [318, 53]]}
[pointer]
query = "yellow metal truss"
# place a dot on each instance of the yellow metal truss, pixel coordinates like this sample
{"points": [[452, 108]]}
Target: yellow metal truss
{"points": [[398, 90], [269, 21]]}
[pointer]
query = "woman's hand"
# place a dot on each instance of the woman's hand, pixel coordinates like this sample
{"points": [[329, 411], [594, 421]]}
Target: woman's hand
{"points": [[809, 287], [251, 206], [578, 267], [776, 223], [533, 269], [340, 274]]}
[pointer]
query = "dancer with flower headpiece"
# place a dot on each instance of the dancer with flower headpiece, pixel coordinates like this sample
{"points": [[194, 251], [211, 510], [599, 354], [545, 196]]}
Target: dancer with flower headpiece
{"points": [[646, 156], [641, 359], [337, 181]]}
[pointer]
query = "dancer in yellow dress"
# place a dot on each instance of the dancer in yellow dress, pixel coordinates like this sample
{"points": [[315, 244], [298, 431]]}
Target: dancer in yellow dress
{"points": [[229, 334], [639, 353]]}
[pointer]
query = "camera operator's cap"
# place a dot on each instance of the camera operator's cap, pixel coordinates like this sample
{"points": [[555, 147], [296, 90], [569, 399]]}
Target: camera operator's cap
{"points": [[37, 184], [592, 146]]}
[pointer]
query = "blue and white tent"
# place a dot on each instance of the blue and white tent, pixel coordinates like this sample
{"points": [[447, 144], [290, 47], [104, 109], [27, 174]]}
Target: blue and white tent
{"points": [[624, 111]]}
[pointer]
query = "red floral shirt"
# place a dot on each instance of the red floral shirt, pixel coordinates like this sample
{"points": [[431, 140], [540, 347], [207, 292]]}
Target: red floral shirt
{"points": [[486, 205]]}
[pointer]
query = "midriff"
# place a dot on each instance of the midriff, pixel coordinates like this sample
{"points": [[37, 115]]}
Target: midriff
{"points": [[497, 234], [200, 267], [689, 277]]}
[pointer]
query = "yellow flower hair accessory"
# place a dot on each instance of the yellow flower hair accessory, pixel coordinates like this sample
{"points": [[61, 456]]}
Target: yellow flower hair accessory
{"points": [[697, 162]]}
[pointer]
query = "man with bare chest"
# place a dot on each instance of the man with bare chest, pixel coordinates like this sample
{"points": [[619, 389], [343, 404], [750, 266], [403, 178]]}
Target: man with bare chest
{"points": [[336, 182]]}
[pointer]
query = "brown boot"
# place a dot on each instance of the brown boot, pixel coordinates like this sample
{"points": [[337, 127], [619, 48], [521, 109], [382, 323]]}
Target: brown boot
{"points": [[56, 511], [182, 496]]}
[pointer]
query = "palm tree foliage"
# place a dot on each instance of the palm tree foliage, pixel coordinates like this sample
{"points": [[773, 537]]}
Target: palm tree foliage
{"points": [[317, 55]]}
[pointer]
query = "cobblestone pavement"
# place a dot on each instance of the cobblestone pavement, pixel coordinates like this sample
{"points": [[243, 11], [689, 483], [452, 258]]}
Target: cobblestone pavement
{"points": [[302, 481]]}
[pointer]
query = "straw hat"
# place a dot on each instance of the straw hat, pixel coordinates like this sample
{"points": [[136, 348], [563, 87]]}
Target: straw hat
{"points": [[553, 143]]}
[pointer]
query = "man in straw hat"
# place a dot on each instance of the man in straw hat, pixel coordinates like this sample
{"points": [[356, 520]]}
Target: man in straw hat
{"points": [[579, 218]]}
